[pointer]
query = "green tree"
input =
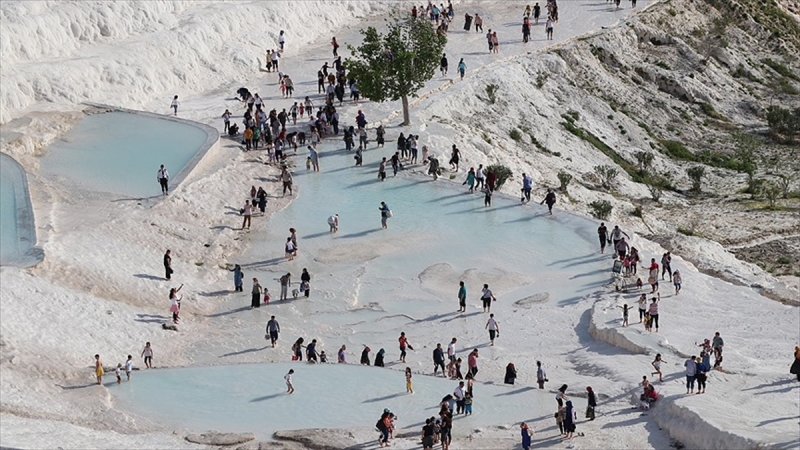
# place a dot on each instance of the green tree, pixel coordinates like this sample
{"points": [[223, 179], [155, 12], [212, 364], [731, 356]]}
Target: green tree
{"points": [[395, 65], [747, 150], [696, 173]]}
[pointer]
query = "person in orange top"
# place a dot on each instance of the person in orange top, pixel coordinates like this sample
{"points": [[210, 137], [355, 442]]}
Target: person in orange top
{"points": [[403, 340]]}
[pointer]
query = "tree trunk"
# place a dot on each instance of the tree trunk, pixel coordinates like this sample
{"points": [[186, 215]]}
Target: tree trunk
{"points": [[406, 119]]}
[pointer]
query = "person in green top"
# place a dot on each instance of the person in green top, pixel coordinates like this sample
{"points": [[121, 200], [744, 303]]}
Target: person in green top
{"points": [[462, 297]]}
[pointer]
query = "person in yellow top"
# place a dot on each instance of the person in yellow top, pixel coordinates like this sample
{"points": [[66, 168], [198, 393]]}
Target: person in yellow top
{"points": [[248, 138], [795, 369], [409, 388], [98, 369]]}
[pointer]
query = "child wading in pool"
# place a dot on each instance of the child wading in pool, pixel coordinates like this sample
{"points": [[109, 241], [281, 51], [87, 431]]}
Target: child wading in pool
{"points": [[129, 367], [409, 388], [288, 378]]}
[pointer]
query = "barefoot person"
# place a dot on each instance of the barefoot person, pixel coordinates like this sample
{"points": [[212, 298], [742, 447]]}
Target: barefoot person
{"points": [[98, 369], [493, 327], [147, 354], [255, 299], [462, 297], [273, 328], [289, 385]]}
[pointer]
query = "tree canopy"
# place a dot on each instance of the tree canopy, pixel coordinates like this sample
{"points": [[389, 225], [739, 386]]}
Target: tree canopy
{"points": [[395, 65]]}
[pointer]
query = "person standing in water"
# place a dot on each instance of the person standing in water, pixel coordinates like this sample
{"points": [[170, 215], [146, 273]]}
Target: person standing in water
{"points": [[98, 369], [289, 385], [462, 297], [550, 199], [386, 213], [168, 265], [163, 179], [174, 105], [333, 222]]}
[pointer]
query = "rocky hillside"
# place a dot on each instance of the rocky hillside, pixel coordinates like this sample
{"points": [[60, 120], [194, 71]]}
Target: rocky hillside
{"points": [[684, 120]]}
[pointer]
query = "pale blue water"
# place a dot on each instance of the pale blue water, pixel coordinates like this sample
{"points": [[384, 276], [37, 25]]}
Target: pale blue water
{"points": [[17, 233], [252, 398], [434, 223], [120, 153], [366, 288]]}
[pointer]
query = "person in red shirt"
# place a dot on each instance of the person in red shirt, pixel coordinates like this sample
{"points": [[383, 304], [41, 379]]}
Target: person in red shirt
{"points": [[403, 340]]}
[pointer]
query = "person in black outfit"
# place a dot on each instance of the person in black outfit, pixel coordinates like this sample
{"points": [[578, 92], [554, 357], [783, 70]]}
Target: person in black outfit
{"points": [[167, 265], [550, 199], [306, 277]]}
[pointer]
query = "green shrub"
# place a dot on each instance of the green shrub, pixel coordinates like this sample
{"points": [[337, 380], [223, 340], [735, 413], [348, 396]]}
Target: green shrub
{"points": [[696, 173], [676, 150], [515, 135], [637, 211], [783, 122], [564, 178], [541, 79], [607, 175], [601, 209], [503, 173], [781, 68], [491, 92], [685, 231]]}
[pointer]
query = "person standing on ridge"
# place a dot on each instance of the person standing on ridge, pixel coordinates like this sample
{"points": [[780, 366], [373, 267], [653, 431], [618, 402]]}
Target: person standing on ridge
{"points": [[163, 179], [273, 328], [486, 298], [462, 297], [168, 265], [281, 40], [174, 105]]}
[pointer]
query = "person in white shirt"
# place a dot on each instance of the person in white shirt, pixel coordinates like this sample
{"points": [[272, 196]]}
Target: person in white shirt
{"points": [[493, 327], [129, 367], [281, 39], [451, 350], [333, 221], [487, 297], [289, 385], [275, 55], [174, 105], [247, 212], [163, 179], [458, 394]]}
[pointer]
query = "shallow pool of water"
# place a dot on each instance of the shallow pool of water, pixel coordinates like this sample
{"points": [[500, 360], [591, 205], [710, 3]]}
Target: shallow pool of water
{"points": [[253, 398], [17, 231], [120, 153]]}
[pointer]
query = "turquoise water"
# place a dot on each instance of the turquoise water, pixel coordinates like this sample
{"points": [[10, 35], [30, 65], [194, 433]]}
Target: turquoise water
{"points": [[437, 226], [252, 398], [120, 153], [17, 233]]}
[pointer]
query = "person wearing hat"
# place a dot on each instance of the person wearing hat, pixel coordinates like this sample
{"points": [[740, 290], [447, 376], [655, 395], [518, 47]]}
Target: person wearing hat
{"points": [[256, 298]]}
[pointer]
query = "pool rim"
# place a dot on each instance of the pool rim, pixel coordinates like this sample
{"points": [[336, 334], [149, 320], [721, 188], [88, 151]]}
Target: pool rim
{"points": [[212, 140], [26, 221]]}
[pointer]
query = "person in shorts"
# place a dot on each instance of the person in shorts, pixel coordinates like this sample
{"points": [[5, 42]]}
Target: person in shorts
{"points": [[486, 298]]}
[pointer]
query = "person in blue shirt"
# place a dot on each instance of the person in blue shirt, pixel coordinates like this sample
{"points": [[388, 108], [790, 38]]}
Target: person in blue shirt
{"points": [[462, 68], [527, 184], [385, 214]]}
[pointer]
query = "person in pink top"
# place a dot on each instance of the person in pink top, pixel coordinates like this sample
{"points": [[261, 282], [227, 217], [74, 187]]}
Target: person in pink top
{"points": [[472, 362], [654, 312]]}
